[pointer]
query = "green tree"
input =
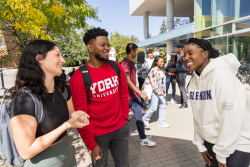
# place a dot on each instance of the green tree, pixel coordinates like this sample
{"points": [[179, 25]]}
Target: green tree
{"points": [[163, 27], [119, 42], [27, 20]]}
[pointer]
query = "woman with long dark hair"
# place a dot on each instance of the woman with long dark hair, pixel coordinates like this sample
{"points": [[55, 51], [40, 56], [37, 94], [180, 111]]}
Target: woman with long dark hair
{"points": [[157, 80], [45, 144], [142, 68], [220, 105]]}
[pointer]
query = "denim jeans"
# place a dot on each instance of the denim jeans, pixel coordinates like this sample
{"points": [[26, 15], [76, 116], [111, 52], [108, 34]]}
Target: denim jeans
{"points": [[155, 101], [135, 105], [170, 79], [117, 143]]}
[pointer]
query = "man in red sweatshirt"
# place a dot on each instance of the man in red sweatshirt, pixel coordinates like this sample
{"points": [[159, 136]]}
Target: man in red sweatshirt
{"points": [[109, 109]]}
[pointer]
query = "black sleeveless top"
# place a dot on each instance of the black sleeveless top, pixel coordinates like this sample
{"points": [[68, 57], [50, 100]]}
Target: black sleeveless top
{"points": [[55, 114]]}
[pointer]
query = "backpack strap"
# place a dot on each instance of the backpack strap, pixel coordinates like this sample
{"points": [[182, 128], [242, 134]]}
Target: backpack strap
{"points": [[64, 93], [86, 80], [115, 68], [38, 107]]}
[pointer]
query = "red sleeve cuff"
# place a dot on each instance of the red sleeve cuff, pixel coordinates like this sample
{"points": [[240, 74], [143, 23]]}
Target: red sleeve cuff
{"points": [[91, 144]]}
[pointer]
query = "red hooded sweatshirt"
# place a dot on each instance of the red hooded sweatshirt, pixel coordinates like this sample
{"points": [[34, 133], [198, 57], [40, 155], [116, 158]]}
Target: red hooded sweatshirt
{"points": [[109, 102]]}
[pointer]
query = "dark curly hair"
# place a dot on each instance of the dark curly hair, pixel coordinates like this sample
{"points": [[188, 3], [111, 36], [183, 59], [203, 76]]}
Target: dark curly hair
{"points": [[93, 33], [30, 75]]}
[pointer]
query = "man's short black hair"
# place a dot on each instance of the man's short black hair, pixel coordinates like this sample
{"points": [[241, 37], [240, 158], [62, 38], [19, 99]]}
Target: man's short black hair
{"points": [[130, 47], [93, 33], [149, 51], [180, 45]]}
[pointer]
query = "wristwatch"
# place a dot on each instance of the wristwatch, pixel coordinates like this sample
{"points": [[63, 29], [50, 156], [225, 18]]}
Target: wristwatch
{"points": [[127, 120]]}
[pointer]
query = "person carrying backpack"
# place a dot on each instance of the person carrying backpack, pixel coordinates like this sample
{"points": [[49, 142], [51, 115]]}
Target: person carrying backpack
{"points": [[102, 92], [43, 142]]}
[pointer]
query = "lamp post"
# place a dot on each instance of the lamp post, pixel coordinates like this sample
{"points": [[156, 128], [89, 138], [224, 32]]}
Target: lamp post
{"points": [[1, 71]]}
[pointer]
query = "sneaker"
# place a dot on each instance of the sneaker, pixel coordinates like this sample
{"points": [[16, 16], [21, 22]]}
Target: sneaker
{"points": [[181, 106], [148, 142], [165, 125], [184, 106], [173, 101], [146, 123]]}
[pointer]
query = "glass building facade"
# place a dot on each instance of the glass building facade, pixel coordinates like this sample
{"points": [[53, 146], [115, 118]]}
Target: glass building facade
{"points": [[226, 24]]}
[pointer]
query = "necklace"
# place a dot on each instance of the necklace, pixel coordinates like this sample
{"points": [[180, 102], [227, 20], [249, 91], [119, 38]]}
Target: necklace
{"points": [[53, 99]]}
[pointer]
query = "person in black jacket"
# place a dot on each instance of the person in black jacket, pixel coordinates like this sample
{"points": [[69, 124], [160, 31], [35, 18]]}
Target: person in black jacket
{"points": [[170, 78], [181, 73]]}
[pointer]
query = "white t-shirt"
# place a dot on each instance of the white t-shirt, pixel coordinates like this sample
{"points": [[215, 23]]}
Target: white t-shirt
{"points": [[150, 62], [162, 76]]}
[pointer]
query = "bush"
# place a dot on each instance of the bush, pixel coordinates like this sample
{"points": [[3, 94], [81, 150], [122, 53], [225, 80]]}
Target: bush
{"points": [[70, 62]]}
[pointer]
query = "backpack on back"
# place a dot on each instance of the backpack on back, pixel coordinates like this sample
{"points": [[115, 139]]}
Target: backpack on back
{"points": [[87, 78], [7, 145]]}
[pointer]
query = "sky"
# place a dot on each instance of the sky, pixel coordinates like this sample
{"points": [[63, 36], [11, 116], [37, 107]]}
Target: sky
{"points": [[114, 16]]}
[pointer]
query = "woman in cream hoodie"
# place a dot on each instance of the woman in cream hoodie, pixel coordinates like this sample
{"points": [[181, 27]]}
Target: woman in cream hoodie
{"points": [[220, 105]]}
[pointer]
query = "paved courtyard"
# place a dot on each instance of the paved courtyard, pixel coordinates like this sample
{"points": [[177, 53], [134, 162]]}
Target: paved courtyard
{"points": [[173, 149]]}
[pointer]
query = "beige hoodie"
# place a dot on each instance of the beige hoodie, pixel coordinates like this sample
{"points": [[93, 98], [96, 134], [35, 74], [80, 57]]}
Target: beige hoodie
{"points": [[221, 108]]}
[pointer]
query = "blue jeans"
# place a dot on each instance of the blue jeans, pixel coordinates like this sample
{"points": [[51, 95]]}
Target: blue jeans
{"points": [[135, 105], [170, 79], [155, 101]]}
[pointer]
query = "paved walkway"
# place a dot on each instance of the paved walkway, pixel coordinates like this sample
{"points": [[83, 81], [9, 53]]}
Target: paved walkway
{"points": [[174, 147]]}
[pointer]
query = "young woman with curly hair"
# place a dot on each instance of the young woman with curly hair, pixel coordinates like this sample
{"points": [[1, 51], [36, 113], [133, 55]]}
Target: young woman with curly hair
{"points": [[46, 144]]}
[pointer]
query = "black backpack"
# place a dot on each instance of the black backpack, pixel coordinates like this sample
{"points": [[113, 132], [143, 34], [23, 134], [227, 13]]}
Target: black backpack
{"points": [[87, 78]]}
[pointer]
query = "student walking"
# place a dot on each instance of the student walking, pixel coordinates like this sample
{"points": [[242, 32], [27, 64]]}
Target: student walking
{"points": [[181, 74], [44, 143], [220, 105], [170, 78], [135, 94], [106, 102], [150, 57], [158, 83], [142, 68]]}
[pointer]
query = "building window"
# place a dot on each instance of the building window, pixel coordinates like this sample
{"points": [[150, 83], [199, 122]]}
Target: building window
{"points": [[222, 11], [242, 25], [224, 43], [241, 48], [222, 30], [202, 14], [242, 8], [203, 34]]}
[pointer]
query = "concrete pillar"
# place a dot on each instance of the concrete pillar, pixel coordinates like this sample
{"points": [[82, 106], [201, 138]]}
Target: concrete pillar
{"points": [[170, 14], [145, 51], [170, 48], [170, 26], [145, 25]]}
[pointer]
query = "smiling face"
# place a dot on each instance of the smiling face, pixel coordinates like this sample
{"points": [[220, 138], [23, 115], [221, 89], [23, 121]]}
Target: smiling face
{"points": [[150, 55], [52, 64], [160, 63], [195, 57], [99, 47]]}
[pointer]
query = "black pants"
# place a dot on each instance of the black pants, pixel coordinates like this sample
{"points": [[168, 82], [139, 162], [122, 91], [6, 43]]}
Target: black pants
{"points": [[141, 81], [117, 143], [237, 159]]}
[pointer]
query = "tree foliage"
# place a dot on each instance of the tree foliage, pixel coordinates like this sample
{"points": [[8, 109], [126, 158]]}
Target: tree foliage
{"points": [[163, 27], [119, 42], [27, 20], [181, 21]]}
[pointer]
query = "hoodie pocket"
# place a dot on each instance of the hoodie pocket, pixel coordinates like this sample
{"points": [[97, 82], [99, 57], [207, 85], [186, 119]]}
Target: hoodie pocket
{"points": [[209, 132]]}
